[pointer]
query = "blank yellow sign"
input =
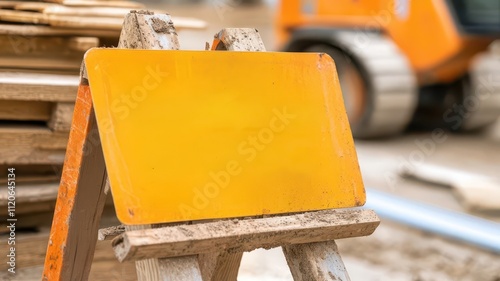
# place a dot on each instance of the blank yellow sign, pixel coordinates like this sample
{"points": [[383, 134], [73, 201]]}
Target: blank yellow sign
{"points": [[191, 135]]}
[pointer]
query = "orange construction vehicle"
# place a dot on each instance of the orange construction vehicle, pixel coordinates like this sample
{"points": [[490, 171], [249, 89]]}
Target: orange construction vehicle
{"points": [[402, 62]]}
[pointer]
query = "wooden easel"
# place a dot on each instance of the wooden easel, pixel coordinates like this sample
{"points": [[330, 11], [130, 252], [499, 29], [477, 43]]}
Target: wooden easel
{"points": [[196, 251]]}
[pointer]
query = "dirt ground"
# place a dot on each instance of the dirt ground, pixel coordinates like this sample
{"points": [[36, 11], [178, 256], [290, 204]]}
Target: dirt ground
{"points": [[393, 252]]}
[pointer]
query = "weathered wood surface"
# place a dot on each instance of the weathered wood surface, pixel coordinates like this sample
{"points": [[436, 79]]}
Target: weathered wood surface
{"points": [[220, 265], [81, 197], [38, 87], [238, 39], [46, 45], [244, 235], [41, 30], [180, 269], [315, 261], [31, 145], [111, 232], [25, 110], [32, 193], [61, 117], [148, 31]]}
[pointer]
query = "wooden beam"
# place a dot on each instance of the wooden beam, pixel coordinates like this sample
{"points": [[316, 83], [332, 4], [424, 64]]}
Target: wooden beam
{"points": [[38, 87], [40, 30], [31, 136], [81, 197], [222, 265], [25, 110], [238, 39], [315, 261], [31, 145], [60, 119], [244, 235]]}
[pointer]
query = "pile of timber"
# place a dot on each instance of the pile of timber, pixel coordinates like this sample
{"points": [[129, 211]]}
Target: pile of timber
{"points": [[42, 44]]}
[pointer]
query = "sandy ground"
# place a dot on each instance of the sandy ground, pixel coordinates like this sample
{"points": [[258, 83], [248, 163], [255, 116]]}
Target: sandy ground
{"points": [[393, 252]]}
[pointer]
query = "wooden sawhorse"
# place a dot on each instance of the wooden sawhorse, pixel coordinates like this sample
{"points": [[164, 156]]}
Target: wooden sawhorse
{"points": [[197, 251]]}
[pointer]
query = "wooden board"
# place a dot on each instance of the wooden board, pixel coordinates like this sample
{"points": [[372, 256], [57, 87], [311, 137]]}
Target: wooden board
{"points": [[315, 261], [62, 114], [70, 65], [279, 144], [33, 173], [244, 235], [97, 3], [29, 86], [25, 110], [31, 145], [32, 193], [75, 219], [40, 30]]}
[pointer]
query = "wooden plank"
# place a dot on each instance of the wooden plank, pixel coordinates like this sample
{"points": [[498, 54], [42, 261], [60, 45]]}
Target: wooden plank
{"points": [[110, 12], [33, 173], [315, 261], [75, 22], [33, 246], [39, 30], [90, 3], [25, 110], [33, 6], [32, 193], [9, 4], [111, 232], [221, 265], [61, 117], [180, 269], [23, 17], [244, 235], [238, 39], [27, 155], [38, 87], [81, 198], [46, 45], [83, 44], [31, 145], [70, 65], [116, 12], [31, 136]]}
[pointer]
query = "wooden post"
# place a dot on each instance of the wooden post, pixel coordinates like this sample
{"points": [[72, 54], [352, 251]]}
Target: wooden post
{"points": [[319, 261], [81, 197], [82, 191]]}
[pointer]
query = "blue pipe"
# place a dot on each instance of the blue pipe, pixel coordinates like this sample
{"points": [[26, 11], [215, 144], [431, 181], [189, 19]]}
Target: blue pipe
{"points": [[463, 227]]}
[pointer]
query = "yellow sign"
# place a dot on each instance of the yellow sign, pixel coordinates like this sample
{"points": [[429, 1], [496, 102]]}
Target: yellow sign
{"points": [[191, 135]]}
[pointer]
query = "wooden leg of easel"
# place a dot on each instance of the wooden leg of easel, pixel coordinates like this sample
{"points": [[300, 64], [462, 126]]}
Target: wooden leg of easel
{"points": [[171, 269], [319, 261], [180, 269], [220, 266], [81, 198]]}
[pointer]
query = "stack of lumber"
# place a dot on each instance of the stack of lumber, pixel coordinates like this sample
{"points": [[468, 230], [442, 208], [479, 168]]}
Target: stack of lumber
{"points": [[42, 44]]}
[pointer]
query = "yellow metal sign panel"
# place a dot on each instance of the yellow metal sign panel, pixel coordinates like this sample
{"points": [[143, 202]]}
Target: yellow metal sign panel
{"points": [[191, 135]]}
